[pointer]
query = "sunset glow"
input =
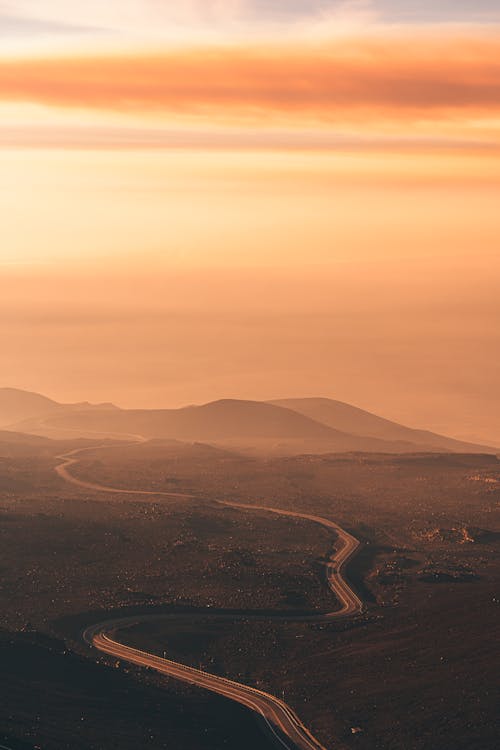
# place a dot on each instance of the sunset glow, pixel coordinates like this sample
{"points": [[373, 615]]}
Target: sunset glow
{"points": [[219, 163]]}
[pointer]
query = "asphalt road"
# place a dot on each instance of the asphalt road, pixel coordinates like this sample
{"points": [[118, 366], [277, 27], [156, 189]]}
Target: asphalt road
{"points": [[287, 728], [351, 604], [68, 459]]}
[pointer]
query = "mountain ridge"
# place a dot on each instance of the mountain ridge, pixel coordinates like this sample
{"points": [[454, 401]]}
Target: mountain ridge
{"points": [[313, 425], [17, 405], [355, 420]]}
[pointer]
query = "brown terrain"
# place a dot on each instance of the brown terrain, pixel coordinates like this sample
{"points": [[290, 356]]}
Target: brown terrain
{"points": [[416, 670]]}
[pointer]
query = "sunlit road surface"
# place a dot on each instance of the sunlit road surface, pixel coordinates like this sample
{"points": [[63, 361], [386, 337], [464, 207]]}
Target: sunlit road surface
{"points": [[280, 719], [350, 603], [284, 724], [69, 459]]}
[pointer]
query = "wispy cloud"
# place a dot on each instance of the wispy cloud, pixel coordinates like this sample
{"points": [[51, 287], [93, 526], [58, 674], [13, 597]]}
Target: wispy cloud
{"points": [[157, 16], [182, 19], [94, 11], [275, 139], [16, 23], [387, 76], [12, 26], [444, 11]]}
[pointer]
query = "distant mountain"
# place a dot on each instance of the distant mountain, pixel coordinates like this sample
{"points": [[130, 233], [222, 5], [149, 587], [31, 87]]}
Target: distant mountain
{"points": [[351, 419], [16, 406], [220, 420], [287, 426], [239, 424]]}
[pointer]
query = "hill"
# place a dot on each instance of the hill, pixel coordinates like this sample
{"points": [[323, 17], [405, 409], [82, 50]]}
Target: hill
{"points": [[19, 445], [21, 438], [18, 406], [287, 426], [351, 419], [219, 420], [237, 424]]}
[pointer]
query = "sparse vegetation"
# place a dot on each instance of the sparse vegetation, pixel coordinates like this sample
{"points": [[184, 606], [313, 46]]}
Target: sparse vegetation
{"points": [[66, 552]]}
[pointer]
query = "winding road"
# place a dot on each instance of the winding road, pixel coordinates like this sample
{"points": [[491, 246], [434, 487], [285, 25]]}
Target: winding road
{"points": [[68, 459], [284, 724]]}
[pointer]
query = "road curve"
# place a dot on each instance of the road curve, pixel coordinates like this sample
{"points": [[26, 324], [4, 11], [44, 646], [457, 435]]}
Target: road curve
{"points": [[68, 459], [350, 603], [284, 724]]}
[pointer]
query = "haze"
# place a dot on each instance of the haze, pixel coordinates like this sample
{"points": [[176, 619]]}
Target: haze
{"points": [[245, 200]]}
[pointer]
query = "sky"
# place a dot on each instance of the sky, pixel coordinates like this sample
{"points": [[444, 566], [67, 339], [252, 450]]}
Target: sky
{"points": [[255, 199]]}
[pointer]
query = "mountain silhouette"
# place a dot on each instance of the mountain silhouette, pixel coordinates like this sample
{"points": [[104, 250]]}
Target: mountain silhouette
{"points": [[313, 425]]}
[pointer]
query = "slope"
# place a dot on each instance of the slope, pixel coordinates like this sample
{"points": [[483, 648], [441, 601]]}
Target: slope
{"points": [[342, 416], [228, 421], [17, 405]]}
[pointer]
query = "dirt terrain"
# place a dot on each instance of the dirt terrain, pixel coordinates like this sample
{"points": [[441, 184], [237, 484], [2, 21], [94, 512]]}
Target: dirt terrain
{"points": [[416, 669]]}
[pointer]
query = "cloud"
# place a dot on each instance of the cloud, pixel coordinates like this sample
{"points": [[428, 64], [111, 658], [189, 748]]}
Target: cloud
{"points": [[228, 18], [157, 18], [388, 77], [430, 11], [283, 10], [387, 10], [106, 138], [13, 26], [18, 20], [93, 10]]}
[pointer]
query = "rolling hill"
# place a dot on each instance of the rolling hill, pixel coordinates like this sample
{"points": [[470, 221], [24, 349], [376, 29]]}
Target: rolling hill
{"points": [[18, 444], [313, 426], [357, 421], [18, 406], [219, 420]]}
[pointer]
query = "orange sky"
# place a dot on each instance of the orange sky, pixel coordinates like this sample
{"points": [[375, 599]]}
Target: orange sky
{"points": [[261, 215], [391, 77]]}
